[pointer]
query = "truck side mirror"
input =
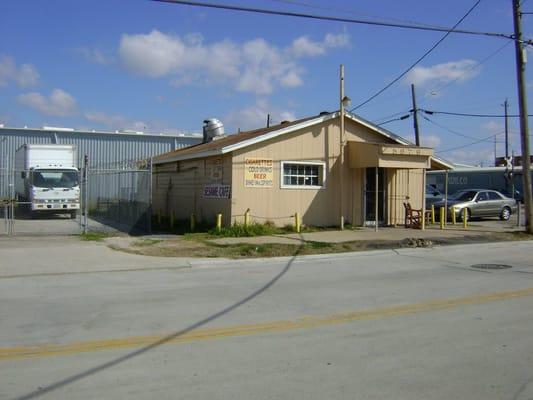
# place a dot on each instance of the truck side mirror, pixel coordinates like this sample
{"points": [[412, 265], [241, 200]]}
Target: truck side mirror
{"points": [[23, 174]]}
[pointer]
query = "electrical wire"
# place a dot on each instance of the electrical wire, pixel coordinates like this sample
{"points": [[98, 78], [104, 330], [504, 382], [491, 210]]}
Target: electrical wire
{"points": [[344, 10], [337, 19], [458, 114], [448, 129], [469, 144], [477, 65], [417, 61]]}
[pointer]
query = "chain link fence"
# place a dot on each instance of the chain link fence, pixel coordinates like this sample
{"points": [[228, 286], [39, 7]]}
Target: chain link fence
{"points": [[110, 197]]}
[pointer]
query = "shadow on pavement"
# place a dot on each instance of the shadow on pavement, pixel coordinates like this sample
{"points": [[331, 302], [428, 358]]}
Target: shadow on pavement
{"points": [[112, 363]]}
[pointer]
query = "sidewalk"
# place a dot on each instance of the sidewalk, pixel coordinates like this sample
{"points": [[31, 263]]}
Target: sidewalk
{"points": [[383, 234]]}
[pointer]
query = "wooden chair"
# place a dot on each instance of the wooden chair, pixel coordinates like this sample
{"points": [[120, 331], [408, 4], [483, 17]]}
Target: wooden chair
{"points": [[413, 217]]}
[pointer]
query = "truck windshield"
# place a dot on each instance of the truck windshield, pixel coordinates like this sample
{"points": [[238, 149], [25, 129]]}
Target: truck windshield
{"points": [[50, 178]]}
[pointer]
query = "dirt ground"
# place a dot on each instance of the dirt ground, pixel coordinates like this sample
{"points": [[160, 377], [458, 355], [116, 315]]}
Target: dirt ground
{"points": [[178, 246]]}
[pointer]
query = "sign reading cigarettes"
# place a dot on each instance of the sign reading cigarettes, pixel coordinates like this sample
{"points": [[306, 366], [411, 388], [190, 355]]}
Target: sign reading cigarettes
{"points": [[258, 172]]}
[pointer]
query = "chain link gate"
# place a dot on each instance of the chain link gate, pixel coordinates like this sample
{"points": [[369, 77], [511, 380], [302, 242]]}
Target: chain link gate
{"points": [[111, 198]]}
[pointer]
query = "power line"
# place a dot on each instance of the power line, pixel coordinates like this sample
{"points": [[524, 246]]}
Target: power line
{"points": [[477, 65], [469, 144], [448, 129], [344, 10], [337, 19], [470, 115], [417, 61]]}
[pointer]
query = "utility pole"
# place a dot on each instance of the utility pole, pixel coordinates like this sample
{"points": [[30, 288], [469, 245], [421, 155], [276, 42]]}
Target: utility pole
{"points": [[415, 116], [268, 120], [506, 105], [522, 104], [495, 149], [341, 147]]}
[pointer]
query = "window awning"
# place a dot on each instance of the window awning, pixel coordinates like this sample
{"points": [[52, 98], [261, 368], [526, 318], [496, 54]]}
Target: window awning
{"points": [[367, 155]]}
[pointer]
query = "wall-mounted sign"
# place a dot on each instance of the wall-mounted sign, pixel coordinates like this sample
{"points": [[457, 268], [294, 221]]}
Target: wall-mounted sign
{"points": [[258, 172], [217, 191]]}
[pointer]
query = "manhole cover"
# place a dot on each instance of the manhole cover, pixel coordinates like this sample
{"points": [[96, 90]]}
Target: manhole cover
{"points": [[491, 266]]}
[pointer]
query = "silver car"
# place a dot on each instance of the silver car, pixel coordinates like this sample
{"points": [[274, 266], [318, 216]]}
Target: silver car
{"points": [[480, 203]]}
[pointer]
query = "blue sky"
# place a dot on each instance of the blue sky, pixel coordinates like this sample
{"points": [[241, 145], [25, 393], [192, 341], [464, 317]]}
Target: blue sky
{"points": [[159, 67]]}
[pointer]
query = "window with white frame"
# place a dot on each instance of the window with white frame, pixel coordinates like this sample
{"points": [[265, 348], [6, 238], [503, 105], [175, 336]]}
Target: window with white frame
{"points": [[302, 174]]}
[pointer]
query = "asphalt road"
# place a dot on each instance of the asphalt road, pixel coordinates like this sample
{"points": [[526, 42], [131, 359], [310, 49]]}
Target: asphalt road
{"points": [[407, 324]]}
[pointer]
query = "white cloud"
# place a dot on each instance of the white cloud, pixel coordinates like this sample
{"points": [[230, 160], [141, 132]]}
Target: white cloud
{"points": [[24, 75], [483, 157], [94, 55], [461, 71], [493, 127], [58, 104], [255, 66], [115, 121], [430, 141], [255, 116]]}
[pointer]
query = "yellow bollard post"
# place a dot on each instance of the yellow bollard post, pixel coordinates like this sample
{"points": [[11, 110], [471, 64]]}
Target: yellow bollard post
{"points": [[193, 222], [454, 217], [465, 218], [433, 214], [442, 217], [219, 222], [297, 223], [172, 218], [247, 217]]}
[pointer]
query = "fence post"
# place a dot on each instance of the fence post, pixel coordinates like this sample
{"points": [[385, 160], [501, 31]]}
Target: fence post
{"points": [[433, 214], [85, 193], [465, 218], [193, 222], [454, 217], [517, 213], [247, 217], [442, 217], [219, 222], [297, 223]]}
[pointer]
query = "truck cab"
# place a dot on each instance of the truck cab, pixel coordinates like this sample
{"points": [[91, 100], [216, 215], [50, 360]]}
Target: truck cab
{"points": [[54, 190], [47, 179]]}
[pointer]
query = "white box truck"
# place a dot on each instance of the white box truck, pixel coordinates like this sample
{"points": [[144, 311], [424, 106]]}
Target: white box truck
{"points": [[47, 178]]}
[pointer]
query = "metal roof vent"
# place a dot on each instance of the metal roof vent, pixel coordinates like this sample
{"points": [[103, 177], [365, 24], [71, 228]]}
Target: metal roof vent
{"points": [[284, 122], [212, 129], [324, 113]]}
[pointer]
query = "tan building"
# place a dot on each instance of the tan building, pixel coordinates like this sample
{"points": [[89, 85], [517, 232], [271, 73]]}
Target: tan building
{"points": [[296, 167]]}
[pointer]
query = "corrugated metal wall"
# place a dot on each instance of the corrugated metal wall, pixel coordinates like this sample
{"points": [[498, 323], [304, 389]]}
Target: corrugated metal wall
{"points": [[105, 150]]}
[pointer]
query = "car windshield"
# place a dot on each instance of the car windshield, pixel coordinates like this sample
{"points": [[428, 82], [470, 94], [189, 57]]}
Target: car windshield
{"points": [[467, 195], [55, 178]]}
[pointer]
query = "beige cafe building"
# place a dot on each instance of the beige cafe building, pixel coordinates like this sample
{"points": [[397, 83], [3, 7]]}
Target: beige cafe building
{"points": [[303, 166]]}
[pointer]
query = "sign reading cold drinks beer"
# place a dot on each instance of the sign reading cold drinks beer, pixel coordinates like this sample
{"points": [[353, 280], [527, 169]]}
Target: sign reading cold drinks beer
{"points": [[258, 172]]}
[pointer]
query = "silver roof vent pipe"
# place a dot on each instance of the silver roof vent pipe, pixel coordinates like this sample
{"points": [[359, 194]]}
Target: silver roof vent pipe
{"points": [[213, 129]]}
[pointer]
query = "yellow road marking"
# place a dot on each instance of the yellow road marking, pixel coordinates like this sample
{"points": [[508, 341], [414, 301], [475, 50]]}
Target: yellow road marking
{"points": [[18, 353]]}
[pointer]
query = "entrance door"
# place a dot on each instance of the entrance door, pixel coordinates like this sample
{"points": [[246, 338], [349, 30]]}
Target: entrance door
{"points": [[370, 196]]}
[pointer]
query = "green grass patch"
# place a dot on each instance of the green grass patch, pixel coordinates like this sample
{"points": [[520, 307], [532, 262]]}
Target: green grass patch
{"points": [[253, 229], [95, 236], [147, 242]]}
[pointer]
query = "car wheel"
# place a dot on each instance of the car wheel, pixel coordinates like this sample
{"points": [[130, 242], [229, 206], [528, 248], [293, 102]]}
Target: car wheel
{"points": [[505, 214]]}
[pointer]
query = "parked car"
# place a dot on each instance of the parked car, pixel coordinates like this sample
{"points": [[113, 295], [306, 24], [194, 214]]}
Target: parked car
{"points": [[480, 203], [433, 196]]}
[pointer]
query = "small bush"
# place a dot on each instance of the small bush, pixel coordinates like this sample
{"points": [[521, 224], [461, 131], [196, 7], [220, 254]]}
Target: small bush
{"points": [[241, 230]]}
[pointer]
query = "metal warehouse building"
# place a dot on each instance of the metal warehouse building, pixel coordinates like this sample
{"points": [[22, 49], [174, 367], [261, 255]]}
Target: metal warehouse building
{"points": [[118, 189], [103, 148]]}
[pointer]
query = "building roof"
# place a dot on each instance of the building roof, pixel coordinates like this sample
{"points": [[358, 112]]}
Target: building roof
{"points": [[237, 141], [126, 132]]}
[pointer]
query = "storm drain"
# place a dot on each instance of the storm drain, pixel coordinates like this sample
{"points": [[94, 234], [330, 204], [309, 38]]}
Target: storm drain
{"points": [[490, 266]]}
